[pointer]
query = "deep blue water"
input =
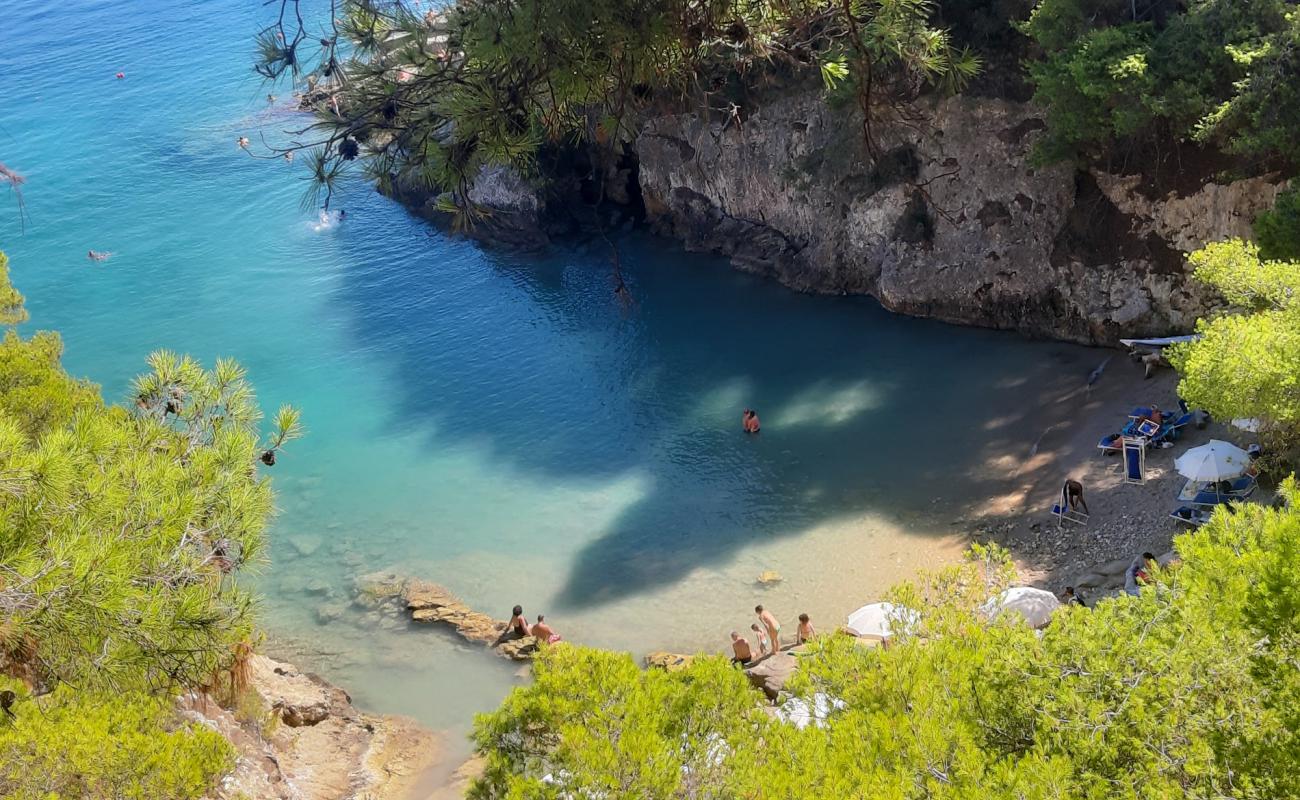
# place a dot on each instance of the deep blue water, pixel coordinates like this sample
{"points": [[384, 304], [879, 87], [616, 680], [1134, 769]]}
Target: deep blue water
{"points": [[495, 423]]}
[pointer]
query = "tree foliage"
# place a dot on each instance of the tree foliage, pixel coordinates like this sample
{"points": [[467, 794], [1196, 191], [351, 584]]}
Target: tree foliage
{"points": [[122, 531], [1278, 229], [1247, 362], [1135, 73], [1186, 690], [429, 100], [69, 745]]}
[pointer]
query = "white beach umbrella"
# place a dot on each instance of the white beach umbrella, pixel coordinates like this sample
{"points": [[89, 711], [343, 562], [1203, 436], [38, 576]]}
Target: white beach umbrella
{"points": [[1213, 461], [1035, 606], [882, 620]]}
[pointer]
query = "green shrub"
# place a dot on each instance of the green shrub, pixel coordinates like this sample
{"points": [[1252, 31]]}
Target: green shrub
{"points": [[117, 746]]}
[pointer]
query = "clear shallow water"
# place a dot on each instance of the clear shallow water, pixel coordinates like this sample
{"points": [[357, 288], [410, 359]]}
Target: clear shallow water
{"points": [[494, 423]]}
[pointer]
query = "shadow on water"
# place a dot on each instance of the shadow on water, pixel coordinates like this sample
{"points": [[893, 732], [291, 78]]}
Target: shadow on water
{"points": [[534, 362]]}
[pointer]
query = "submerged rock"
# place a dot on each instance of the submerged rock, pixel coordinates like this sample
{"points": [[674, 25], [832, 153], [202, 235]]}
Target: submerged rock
{"points": [[305, 545], [770, 577]]}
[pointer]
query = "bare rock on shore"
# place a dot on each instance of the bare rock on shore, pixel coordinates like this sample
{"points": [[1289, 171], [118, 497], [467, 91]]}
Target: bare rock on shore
{"points": [[325, 749], [461, 780], [770, 674]]}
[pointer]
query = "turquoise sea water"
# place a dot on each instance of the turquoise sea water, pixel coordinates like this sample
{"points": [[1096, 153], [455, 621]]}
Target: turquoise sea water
{"points": [[492, 422]]}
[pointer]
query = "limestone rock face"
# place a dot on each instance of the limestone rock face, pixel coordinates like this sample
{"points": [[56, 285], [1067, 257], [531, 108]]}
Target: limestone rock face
{"points": [[325, 748], [951, 222]]}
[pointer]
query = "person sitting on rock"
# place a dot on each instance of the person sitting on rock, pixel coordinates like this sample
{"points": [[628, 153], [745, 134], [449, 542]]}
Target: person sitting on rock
{"points": [[1073, 598], [518, 625], [763, 647], [740, 647], [543, 632]]}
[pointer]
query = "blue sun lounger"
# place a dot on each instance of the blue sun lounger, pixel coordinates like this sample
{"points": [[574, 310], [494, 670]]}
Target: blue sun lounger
{"points": [[1196, 517]]}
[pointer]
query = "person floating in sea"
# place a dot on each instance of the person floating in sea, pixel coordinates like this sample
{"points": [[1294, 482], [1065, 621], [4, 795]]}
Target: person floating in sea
{"points": [[743, 654], [242, 142], [518, 625], [764, 648], [288, 157], [99, 255], [773, 627], [543, 632], [343, 214], [750, 420], [806, 630]]}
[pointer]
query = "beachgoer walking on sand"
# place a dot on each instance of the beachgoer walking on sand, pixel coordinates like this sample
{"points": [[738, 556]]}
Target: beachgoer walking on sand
{"points": [[1074, 496], [750, 420], [543, 632], [1138, 573], [764, 648], [741, 650], [518, 625], [805, 631], [773, 627]]}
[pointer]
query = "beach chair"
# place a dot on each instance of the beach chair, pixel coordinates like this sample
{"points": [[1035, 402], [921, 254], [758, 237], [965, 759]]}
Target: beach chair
{"points": [[1135, 460], [1110, 444], [1139, 413], [1242, 487], [1196, 517], [1170, 431], [1063, 513]]}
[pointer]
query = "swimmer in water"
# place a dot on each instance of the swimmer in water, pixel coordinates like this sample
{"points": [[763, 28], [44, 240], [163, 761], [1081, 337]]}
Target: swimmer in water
{"points": [[243, 142], [343, 214], [270, 98], [96, 255], [289, 156]]}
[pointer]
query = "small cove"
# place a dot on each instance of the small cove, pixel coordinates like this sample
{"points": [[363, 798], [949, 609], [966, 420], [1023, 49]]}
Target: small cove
{"points": [[493, 422]]}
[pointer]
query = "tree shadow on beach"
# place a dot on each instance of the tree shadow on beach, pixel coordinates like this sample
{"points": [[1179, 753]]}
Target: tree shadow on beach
{"points": [[534, 362]]}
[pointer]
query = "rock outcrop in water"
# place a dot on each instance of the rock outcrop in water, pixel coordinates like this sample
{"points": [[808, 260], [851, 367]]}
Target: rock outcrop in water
{"points": [[951, 221], [319, 746]]}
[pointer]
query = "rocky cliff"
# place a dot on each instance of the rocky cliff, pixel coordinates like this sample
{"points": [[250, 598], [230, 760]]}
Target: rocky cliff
{"points": [[951, 221], [313, 744]]}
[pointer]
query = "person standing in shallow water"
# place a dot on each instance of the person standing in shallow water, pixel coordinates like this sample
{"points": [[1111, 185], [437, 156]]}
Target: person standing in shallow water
{"points": [[750, 420], [773, 627], [806, 630]]}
